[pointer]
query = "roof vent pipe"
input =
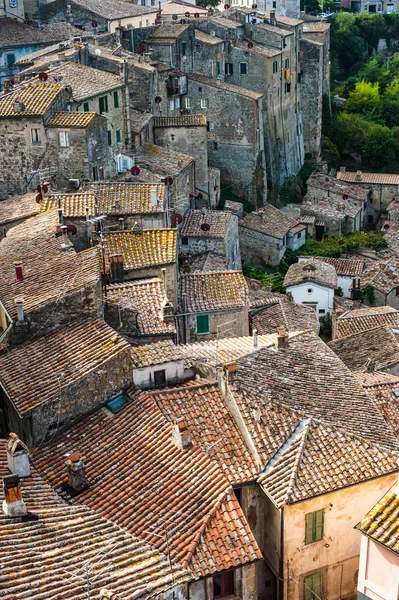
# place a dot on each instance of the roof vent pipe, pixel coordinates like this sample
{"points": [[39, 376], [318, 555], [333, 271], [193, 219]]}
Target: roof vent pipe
{"points": [[273, 17], [282, 339]]}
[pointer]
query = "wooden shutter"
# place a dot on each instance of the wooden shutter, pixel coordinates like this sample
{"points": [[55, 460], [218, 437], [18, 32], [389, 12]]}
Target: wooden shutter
{"points": [[318, 525], [317, 586], [309, 528]]}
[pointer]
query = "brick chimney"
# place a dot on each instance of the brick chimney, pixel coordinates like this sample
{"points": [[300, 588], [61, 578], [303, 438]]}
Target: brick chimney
{"points": [[181, 435], [13, 505], [17, 456], [76, 471], [282, 339], [116, 266], [19, 303], [19, 276], [273, 17], [358, 176], [66, 243], [290, 297]]}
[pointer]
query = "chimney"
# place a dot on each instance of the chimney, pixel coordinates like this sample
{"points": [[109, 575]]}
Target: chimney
{"points": [[358, 176], [181, 435], [66, 244], [17, 456], [13, 505], [19, 303], [370, 366], [60, 216], [121, 222], [116, 266], [282, 339], [18, 106], [342, 169], [76, 471], [290, 297], [18, 270], [257, 414], [273, 17], [230, 367], [255, 338]]}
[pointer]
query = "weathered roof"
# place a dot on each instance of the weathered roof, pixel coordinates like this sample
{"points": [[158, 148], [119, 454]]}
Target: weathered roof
{"points": [[63, 539], [212, 290], [362, 319], [86, 82], [269, 221], [331, 184], [312, 271], [261, 295], [69, 354], [381, 523], [114, 9], [155, 354], [49, 271], [285, 315], [343, 266], [162, 160], [368, 178], [212, 427], [72, 205], [181, 8], [30, 58], [146, 297], [227, 87], [138, 478], [71, 119], [208, 261], [114, 198], [146, 248], [272, 29], [309, 27], [17, 33], [218, 221], [258, 49], [180, 121], [329, 207], [168, 30], [138, 120], [18, 208], [320, 458], [37, 98], [225, 22], [383, 277], [378, 345], [205, 38], [383, 388], [309, 378]]}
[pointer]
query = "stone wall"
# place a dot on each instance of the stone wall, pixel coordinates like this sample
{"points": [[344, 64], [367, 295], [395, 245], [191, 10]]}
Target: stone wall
{"points": [[311, 96], [156, 271], [206, 57], [258, 249], [224, 323]]}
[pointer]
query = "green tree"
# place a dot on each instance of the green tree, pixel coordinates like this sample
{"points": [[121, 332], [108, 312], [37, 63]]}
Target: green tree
{"points": [[364, 98], [208, 3], [329, 152], [312, 6], [371, 28], [380, 147], [350, 132]]}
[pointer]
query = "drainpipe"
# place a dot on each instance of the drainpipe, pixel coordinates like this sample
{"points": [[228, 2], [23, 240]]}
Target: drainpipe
{"points": [[281, 579]]}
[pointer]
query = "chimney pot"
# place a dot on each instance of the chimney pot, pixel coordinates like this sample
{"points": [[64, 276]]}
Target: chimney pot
{"points": [[18, 270], [17, 456], [19, 303], [76, 471], [181, 435], [13, 504], [66, 245], [230, 367], [290, 297], [272, 17], [282, 339], [121, 223], [342, 169], [255, 338]]}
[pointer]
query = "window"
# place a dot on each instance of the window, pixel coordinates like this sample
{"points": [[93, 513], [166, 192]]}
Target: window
{"points": [[217, 67], [287, 88], [203, 327], [313, 585], [228, 68], [238, 495], [103, 104], [172, 105], [183, 48], [274, 4], [287, 63], [215, 145], [322, 311], [210, 125], [275, 66], [226, 46], [310, 291], [187, 102], [119, 402], [86, 106], [10, 60], [370, 219], [184, 241], [116, 100], [223, 584], [314, 525], [204, 103], [64, 139], [35, 136], [160, 378], [299, 235], [109, 138], [118, 136], [397, 291], [243, 68], [177, 102], [284, 43]]}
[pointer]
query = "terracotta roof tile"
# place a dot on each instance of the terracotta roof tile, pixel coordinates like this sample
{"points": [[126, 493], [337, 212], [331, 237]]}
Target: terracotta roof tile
{"points": [[381, 523], [144, 296], [205, 38], [18, 207], [378, 345], [155, 354], [168, 30], [261, 295], [268, 220], [312, 270], [68, 355], [369, 178], [218, 221], [114, 9], [146, 248], [37, 98], [162, 160], [17, 33], [331, 184], [363, 319], [212, 427], [384, 277], [330, 207], [71, 119], [143, 481], [86, 82], [343, 266], [227, 87], [285, 315], [72, 205], [383, 388], [180, 121], [208, 261], [209, 291]]}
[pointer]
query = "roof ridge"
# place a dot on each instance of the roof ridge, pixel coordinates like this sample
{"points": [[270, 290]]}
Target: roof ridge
{"points": [[163, 392], [298, 459]]}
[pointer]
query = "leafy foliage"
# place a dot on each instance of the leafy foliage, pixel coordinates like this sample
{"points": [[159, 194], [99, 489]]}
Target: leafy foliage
{"points": [[272, 280], [334, 246], [365, 97], [367, 295]]}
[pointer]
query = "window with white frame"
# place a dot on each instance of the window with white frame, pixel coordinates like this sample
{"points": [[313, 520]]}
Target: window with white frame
{"points": [[63, 138], [188, 102], [177, 102], [35, 136], [204, 103], [172, 105]]}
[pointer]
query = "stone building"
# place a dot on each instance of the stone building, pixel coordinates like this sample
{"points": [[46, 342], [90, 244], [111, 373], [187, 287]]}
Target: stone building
{"points": [[266, 234], [347, 271], [332, 215], [157, 365], [383, 186], [141, 126], [208, 54], [383, 277], [312, 283], [16, 210], [86, 363], [214, 231], [173, 44], [212, 304]]}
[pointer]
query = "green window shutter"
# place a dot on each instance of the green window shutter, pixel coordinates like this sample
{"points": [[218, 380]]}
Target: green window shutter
{"points": [[106, 103], [116, 100], [109, 138], [202, 323], [309, 528], [313, 587], [118, 136], [217, 67], [317, 586], [319, 525], [86, 107], [10, 60], [307, 588], [101, 105], [207, 126]]}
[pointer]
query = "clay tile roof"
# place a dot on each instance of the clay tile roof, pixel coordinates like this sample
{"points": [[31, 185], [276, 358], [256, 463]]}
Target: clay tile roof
{"points": [[86, 82], [71, 119], [258, 49], [320, 458], [17, 33], [208, 261], [226, 22], [114, 9], [382, 277], [309, 27], [313, 271], [180, 121], [218, 221], [162, 160], [268, 220], [141, 479], [63, 539], [138, 120], [213, 290], [363, 319], [50, 273], [309, 378], [205, 38], [383, 388], [69, 354], [181, 8], [168, 30], [147, 248], [369, 178], [227, 87], [381, 523], [343, 266], [260, 295], [332, 184], [72, 205], [128, 198], [378, 345], [285, 315], [155, 354], [18, 208], [212, 427], [329, 207], [37, 98], [145, 297]]}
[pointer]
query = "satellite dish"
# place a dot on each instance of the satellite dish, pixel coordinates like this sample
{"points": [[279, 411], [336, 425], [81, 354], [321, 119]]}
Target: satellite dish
{"points": [[344, 197], [158, 99], [39, 198], [43, 76], [250, 45], [196, 15], [226, 6], [135, 171], [183, 21], [174, 17], [187, 14], [97, 52], [168, 181], [176, 219], [205, 227], [71, 229]]}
